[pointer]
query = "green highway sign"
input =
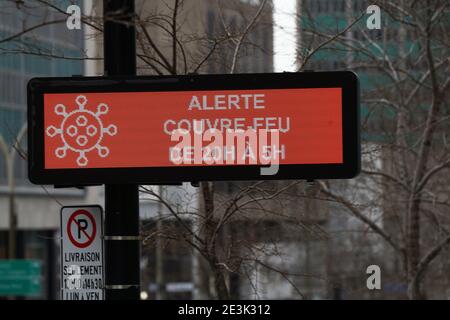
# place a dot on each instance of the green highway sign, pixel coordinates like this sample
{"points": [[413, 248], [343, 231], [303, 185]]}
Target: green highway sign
{"points": [[20, 277]]}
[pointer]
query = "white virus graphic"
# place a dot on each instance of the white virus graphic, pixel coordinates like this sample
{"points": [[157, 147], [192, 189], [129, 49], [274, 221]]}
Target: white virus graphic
{"points": [[81, 130]]}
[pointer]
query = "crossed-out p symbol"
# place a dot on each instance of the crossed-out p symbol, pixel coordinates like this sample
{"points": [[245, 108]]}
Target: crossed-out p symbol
{"points": [[81, 228]]}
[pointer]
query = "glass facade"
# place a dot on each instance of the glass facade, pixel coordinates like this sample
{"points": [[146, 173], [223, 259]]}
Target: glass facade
{"points": [[34, 42], [354, 49]]}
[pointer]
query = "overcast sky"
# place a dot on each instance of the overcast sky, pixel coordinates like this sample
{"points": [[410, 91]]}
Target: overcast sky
{"points": [[284, 35]]}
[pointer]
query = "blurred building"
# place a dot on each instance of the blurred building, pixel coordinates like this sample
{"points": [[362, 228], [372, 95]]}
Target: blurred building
{"points": [[207, 32], [284, 223], [48, 49], [206, 35], [352, 50], [318, 22], [286, 226]]}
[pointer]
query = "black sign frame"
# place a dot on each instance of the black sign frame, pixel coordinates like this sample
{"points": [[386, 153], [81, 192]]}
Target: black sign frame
{"points": [[346, 80]]}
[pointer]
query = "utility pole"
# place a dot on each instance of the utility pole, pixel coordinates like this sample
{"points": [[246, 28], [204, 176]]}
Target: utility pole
{"points": [[122, 242]]}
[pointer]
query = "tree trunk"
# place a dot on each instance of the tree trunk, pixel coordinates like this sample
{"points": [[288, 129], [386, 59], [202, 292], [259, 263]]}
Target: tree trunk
{"points": [[413, 248], [220, 284], [209, 228]]}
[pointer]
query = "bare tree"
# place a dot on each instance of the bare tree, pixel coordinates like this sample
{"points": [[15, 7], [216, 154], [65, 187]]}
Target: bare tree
{"points": [[407, 110]]}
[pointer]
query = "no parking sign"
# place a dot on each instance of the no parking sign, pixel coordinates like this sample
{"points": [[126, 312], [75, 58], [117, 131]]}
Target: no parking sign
{"points": [[81, 253]]}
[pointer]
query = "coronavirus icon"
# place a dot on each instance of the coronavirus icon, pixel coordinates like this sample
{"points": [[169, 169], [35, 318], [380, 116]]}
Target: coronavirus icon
{"points": [[81, 130]]}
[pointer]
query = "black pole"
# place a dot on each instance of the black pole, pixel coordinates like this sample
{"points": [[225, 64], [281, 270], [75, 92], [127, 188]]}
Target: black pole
{"points": [[122, 252]]}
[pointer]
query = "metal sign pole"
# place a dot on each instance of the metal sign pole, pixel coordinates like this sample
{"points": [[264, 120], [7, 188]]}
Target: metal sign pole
{"points": [[122, 252]]}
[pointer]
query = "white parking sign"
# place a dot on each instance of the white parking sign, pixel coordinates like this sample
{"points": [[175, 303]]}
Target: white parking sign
{"points": [[82, 253]]}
